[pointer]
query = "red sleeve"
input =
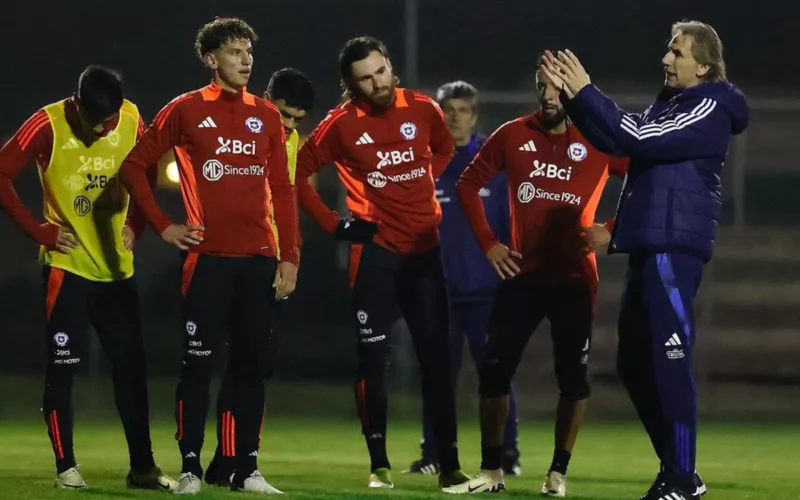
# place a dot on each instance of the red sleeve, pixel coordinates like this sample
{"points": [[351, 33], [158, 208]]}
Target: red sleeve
{"points": [[284, 202], [319, 150], [34, 139], [488, 162], [442, 144], [163, 134], [136, 219], [618, 166]]}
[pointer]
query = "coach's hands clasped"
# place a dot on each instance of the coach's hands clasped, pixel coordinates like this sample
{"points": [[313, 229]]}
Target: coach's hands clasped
{"points": [[285, 280], [183, 236], [566, 71], [502, 259]]}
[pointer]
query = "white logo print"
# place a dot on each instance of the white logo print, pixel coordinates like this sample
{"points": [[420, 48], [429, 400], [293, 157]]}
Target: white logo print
{"points": [[409, 130], [364, 139], [113, 138], [527, 193], [577, 151], [395, 157], [675, 342], [550, 171], [207, 123], [212, 170], [96, 163], [585, 357], [362, 317], [254, 125], [376, 179], [235, 146], [70, 144], [191, 328], [61, 339], [528, 146]]}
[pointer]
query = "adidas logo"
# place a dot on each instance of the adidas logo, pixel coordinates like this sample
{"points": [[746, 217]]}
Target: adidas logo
{"points": [[528, 146], [364, 139], [191, 454], [674, 340], [207, 123], [253, 454], [71, 144]]}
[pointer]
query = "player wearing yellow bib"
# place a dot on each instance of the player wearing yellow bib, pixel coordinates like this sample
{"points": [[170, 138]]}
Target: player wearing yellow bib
{"points": [[292, 93], [86, 243]]}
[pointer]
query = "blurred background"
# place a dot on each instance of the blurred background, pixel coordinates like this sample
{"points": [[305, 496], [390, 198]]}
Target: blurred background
{"points": [[747, 315]]}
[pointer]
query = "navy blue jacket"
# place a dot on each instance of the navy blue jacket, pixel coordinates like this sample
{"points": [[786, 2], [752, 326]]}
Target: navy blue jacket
{"points": [[470, 277], [672, 197]]}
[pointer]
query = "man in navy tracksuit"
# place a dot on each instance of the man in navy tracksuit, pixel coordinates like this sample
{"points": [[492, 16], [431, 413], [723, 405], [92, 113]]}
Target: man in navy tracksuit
{"points": [[472, 281], [666, 221]]}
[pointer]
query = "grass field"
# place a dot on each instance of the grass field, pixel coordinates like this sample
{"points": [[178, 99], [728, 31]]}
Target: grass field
{"points": [[326, 459]]}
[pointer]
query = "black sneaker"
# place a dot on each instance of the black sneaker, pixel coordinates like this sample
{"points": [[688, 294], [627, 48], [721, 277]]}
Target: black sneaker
{"points": [[700, 486], [424, 467], [664, 491], [219, 472], [512, 467]]}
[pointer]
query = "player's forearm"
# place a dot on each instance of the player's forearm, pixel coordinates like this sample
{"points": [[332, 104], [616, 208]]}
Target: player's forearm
{"points": [[467, 190], [286, 220], [135, 180], [313, 205], [136, 219], [43, 234]]}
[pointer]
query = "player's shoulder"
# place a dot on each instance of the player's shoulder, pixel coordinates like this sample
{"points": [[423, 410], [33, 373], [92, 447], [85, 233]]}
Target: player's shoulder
{"points": [[509, 128], [419, 99], [337, 116]]}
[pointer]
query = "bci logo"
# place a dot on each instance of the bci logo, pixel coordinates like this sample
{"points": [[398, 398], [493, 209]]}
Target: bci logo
{"points": [[391, 158], [235, 146], [550, 171]]}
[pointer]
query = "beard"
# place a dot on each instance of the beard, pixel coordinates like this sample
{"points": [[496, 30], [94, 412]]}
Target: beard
{"points": [[551, 120], [384, 96]]}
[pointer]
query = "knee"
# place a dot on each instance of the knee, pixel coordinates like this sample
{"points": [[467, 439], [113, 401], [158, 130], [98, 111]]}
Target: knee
{"points": [[495, 380], [573, 383]]}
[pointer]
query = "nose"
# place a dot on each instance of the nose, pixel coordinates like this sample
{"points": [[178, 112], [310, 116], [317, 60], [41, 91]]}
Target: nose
{"points": [[667, 59]]}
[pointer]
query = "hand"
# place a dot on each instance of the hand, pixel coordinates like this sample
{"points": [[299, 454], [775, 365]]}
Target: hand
{"points": [[356, 230], [66, 240], [285, 280], [182, 236], [128, 237], [565, 68], [502, 259], [596, 235]]}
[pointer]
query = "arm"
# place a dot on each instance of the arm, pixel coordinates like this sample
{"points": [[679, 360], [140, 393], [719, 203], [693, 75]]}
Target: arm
{"points": [[691, 134], [136, 219], [34, 138], [283, 196], [502, 225], [163, 134], [486, 164], [317, 151], [442, 143]]}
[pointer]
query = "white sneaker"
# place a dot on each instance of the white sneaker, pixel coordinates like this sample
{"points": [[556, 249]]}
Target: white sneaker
{"points": [[555, 485], [486, 481], [256, 483], [189, 484], [70, 478]]}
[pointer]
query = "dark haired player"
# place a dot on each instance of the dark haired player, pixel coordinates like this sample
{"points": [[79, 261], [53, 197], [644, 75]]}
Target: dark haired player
{"points": [[231, 154], [86, 254]]}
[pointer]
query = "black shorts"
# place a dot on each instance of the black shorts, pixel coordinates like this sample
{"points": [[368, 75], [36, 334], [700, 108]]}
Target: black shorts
{"points": [[74, 303], [232, 295], [520, 306]]}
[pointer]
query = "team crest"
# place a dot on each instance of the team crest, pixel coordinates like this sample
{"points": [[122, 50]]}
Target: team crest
{"points": [[409, 131], [577, 151], [61, 339], [113, 138], [254, 125]]}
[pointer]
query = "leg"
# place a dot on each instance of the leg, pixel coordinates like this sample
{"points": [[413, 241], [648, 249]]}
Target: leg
{"points": [[374, 312], [222, 465], [65, 333], [114, 313], [570, 310], [670, 286], [515, 315], [250, 363], [207, 290], [422, 295], [634, 362]]}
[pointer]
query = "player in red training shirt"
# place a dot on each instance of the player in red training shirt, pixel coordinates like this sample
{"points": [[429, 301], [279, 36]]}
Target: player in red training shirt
{"points": [[231, 153], [388, 145], [555, 182]]}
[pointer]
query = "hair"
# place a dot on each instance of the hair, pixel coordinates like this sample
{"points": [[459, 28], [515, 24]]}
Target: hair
{"points": [[222, 29], [292, 86], [99, 92], [357, 49], [706, 48], [458, 90]]}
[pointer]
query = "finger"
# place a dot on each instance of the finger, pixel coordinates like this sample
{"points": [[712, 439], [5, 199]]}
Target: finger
{"points": [[497, 270], [507, 272], [68, 241], [515, 254], [281, 292], [62, 249], [563, 69], [551, 74], [511, 264], [568, 61], [277, 281], [181, 245], [194, 227], [192, 239], [575, 61]]}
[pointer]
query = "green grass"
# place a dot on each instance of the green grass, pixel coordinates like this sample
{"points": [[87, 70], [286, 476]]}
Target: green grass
{"points": [[326, 459]]}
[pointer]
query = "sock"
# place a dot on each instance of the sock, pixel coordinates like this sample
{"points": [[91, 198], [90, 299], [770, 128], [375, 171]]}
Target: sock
{"points": [[491, 456], [376, 444], [560, 461]]}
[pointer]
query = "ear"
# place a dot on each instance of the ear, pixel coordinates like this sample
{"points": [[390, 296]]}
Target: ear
{"points": [[211, 60], [702, 70], [474, 119]]}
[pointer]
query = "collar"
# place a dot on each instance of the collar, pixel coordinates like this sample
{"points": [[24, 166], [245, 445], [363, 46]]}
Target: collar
{"points": [[363, 107], [213, 92]]}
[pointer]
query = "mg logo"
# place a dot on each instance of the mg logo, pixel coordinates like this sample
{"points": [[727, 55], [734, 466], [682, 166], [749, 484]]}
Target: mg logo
{"points": [[235, 146], [82, 205], [213, 170], [395, 158], [550, 171], [525, 192], [376, 179]]}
